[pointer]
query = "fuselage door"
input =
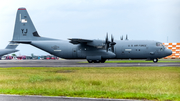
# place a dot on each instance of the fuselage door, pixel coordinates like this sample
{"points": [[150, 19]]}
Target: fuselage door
{"points": [[122, 51], [74, 53]]}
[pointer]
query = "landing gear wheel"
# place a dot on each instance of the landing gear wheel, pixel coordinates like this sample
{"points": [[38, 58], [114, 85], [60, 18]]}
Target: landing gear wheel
{"points": [[96, 61], [155, 60], [90, 61], [103, 60]]}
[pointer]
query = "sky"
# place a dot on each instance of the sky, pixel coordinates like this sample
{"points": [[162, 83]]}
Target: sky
{"points": [[157, 20]]}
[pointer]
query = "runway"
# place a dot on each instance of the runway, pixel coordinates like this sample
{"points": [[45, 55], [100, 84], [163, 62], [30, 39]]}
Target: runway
{"points": [[76, 63]]}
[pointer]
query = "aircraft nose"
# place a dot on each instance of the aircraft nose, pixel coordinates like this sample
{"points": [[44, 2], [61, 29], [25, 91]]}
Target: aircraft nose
{"points": [[168, 52]]}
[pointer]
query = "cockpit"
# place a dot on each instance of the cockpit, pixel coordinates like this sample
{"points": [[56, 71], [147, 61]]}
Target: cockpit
{"points": [[162, 50], [159, 44]]}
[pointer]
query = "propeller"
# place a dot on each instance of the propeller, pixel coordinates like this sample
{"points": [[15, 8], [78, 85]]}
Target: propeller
{"points": [[112, 43], [109, 44]]}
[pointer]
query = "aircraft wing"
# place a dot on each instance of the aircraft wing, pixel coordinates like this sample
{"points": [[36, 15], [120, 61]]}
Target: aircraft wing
{"points": [[78, 40], [94, 43]]}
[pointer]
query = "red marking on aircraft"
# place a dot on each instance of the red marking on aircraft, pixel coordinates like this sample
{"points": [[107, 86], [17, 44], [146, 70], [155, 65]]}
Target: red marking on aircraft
{"points": [[21, 9]]}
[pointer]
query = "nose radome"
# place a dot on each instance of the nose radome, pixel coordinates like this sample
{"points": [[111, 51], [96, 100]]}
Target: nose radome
{"points": [[168, 52]]}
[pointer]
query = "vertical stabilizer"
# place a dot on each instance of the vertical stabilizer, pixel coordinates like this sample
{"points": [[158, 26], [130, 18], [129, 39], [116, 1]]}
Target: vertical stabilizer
{"points": [[24, 29]]}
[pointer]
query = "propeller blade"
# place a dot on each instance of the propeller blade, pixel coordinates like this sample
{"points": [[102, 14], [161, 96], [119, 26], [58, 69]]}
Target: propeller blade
{"points": [[106, 38], [112, 38], [107, 47], [113, 43], [106, 43], [112, 48]]}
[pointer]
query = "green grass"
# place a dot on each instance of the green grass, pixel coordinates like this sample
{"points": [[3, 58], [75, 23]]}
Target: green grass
{"points": [[152, 83]]}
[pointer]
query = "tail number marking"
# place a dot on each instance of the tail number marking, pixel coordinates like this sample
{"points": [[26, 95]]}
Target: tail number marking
{"points": [[24, 32]]}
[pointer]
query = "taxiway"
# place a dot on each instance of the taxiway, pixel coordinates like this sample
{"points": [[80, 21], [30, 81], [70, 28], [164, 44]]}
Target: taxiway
{"points": [[76, 63]]}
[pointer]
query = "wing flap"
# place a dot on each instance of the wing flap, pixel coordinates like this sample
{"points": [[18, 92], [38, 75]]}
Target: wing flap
{"points": [[79, 41]]}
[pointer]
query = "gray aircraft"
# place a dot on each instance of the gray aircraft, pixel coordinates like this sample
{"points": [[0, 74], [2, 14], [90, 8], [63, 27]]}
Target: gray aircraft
{"points": [[10, 48], [93, 50]]}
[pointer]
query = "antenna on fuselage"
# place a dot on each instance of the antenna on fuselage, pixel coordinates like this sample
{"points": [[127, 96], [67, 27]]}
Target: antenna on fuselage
{"points": [[121, 37], [126, 37]]}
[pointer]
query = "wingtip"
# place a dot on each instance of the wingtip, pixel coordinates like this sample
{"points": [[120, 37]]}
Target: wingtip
{"points": [[22, 8]]}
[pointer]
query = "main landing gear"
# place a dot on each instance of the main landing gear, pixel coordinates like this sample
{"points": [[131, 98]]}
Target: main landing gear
{"points": [[155, 60], [97, 61]]}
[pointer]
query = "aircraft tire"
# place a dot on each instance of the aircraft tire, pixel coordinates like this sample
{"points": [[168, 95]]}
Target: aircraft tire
{"points": [[103, 60], [90, 61], [96, 61], [155, 60]]}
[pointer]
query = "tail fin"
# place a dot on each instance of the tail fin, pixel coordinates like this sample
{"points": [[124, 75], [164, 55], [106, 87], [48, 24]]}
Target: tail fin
{"points": [[24, 29]]}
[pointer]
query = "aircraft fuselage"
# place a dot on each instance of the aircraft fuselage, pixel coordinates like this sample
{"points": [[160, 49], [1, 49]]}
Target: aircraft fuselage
{"points": [[126, 49]]}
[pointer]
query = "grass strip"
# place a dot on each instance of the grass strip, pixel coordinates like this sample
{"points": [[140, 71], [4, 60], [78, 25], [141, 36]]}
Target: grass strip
{"points": [[151, 83]]}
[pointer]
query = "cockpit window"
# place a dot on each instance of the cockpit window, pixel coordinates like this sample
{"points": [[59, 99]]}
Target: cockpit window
{"points": [[164, 47], [159, 44]]}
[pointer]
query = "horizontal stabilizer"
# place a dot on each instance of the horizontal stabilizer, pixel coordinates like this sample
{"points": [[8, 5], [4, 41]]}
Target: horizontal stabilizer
{"points": [[12, 45]]}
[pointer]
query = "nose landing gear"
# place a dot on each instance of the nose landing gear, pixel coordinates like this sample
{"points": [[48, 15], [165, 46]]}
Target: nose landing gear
{"points": [[155, 60]]}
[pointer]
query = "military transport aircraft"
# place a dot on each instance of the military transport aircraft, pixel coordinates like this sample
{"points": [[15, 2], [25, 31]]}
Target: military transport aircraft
{"points": [[93, 50], [10, 48]]}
